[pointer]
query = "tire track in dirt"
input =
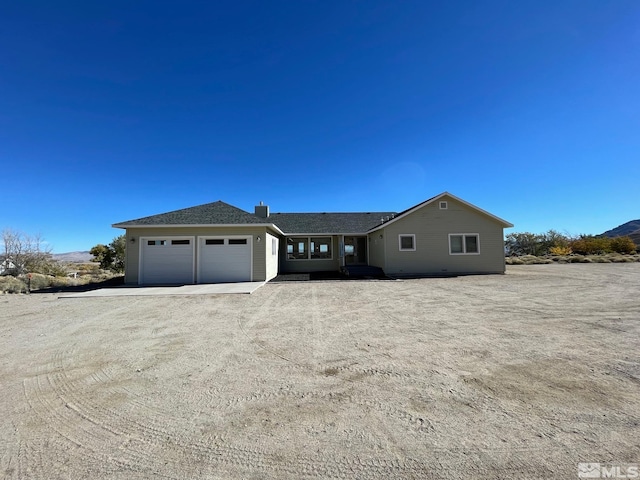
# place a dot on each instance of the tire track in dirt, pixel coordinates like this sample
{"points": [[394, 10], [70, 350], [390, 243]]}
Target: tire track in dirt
{"points": [[68, 406]]}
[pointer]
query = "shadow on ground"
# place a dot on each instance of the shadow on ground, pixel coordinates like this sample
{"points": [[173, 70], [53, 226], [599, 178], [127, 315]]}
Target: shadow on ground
{"points": [[302, 277], [112, 282]]}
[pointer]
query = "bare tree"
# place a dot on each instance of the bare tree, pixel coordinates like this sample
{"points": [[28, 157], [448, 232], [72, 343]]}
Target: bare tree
{"points": [[24, 253]]}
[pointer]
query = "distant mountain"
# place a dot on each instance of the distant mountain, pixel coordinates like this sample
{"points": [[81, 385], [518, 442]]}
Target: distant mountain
{"points": [[631, 229], [76, 257]]}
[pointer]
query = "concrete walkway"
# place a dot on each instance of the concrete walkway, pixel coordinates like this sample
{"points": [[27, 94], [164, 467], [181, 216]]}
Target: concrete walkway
{"points": [[205, 289]]}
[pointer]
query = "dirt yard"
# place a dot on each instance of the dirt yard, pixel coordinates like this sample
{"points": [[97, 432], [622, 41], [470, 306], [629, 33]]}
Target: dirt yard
{"points": [[511, 376]]}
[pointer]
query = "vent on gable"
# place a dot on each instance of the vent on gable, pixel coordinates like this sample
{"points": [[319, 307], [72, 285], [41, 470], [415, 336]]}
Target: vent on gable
{"points": [[443, 205]]}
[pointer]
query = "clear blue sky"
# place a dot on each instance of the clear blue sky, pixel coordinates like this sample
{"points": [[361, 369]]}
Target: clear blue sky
{"points": [[111, 111]]}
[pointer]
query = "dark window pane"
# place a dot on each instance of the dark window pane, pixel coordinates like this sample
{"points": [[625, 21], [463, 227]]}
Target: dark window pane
{"points": [[406, 242], [471, 243]]}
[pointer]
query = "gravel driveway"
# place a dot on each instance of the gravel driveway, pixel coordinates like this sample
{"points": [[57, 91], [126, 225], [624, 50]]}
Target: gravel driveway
{"points": [[520, 375]]}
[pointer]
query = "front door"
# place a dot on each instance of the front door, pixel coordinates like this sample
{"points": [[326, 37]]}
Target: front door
{"points": [[355, 250]]}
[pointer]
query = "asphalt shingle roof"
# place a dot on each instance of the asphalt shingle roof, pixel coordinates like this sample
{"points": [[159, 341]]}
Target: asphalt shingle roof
{"points": [[328, 222], [216, 213], [221, 213]]}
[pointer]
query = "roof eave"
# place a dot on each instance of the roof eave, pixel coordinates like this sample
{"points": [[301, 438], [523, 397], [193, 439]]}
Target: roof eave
{"points": [[332, 234], [200, 225]]}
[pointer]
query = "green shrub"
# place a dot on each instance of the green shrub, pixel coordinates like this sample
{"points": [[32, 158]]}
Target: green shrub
{"points": [[623, 245], [590, 245]]}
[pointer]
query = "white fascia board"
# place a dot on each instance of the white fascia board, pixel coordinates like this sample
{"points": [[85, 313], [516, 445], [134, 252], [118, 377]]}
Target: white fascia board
{"points": [[203, 225], [325, 234]]}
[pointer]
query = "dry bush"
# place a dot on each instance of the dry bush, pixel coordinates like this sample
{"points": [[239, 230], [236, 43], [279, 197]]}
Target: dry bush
{"points": [[10, 284], [621, 258], [600, 259], [561, 250], [514, 261], [578, 259], [527, 260]]}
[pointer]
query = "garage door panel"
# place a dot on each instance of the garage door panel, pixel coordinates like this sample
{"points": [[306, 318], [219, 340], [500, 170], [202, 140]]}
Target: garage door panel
{"points": [[224, 260], [167, 261]]}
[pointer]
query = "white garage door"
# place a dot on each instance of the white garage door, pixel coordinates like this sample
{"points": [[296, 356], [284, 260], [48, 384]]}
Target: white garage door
{"points": [[225, 259], [167, 260]]}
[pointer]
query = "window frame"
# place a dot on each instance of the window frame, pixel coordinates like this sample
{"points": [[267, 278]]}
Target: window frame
{"points": [[413, 242], [464, 243], [444, 205], [310, 242]]}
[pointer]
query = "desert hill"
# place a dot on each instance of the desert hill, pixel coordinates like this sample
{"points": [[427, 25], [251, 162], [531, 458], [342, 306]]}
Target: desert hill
{"points": [[632, 229], [74, 257]]}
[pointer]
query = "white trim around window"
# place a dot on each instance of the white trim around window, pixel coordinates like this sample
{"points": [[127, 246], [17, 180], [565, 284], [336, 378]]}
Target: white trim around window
{"points": [[464, 244], [407, 242]]}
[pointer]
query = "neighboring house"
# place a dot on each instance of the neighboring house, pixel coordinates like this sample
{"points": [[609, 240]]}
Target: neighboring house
{"points": [[218, 242], [7, 267]]}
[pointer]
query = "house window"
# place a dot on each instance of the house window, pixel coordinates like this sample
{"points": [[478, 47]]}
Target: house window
{"points": [[443, 205], [180, 242], [237, 241], [156, 242], [297, 248], [320, 247], [214, 241], [309, 248], [407, 243], [274, 247], [464, 244]]}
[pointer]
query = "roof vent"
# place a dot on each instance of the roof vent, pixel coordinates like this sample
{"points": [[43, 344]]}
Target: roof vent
{"points": [[262, 210]]}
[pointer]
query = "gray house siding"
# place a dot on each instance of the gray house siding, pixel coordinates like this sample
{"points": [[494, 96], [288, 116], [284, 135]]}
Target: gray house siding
{"points": [[376, 244], [432, 226]]}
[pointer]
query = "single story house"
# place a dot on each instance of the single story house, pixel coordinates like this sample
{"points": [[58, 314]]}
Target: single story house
{"points": [[218, 242]]}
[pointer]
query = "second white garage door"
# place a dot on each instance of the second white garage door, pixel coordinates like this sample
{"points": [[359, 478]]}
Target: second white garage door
{"points": [[224, 259]]}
